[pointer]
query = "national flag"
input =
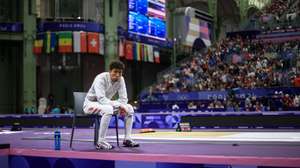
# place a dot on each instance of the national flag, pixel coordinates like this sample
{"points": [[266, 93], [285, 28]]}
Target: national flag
{"points": [[138, 52], [142, 55], [79, 42], [50, 42], [93, 43], [156, 55], [121, 47], [146, 58], [150, 53], [38, 44], [129, 50], [134, 46], [65, 42], [101, 43]]}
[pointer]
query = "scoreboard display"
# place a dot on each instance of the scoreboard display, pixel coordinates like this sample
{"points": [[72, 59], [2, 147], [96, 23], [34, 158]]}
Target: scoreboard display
{"points": [[147, 18]]}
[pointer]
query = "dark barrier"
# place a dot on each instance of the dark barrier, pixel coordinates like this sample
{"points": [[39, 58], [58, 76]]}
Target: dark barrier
{"points": [[211, 95], [168, 120], [249, 121]]}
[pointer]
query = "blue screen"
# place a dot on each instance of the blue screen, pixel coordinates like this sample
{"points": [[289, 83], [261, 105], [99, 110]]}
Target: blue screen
{"points": [[138, 6], [147, 17], [157, 27]]}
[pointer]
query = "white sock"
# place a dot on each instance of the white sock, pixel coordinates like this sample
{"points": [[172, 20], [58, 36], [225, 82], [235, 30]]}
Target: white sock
{"points": [[104, 123]]}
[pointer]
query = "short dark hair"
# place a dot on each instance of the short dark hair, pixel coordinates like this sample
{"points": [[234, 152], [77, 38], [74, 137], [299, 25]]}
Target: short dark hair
{"points": [[116, 65]]}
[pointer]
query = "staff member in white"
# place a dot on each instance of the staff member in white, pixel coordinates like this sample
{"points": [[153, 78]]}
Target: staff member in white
{"points": [[98, 101]]}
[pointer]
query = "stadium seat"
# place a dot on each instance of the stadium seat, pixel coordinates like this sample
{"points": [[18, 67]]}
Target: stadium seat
{"points": [[78, 111]]}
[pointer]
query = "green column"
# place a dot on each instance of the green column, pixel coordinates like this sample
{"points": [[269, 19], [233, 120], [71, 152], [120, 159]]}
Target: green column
{"points": [[111, 17], [171, 6], [243, 6], [29, 62], [212, 9]]}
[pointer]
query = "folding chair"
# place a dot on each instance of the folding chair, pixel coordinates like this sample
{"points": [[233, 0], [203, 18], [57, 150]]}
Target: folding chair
{"points": [[78, 111]]}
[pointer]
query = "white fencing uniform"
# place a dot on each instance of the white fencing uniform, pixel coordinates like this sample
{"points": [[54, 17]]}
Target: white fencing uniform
{"points": [[98, 101]]}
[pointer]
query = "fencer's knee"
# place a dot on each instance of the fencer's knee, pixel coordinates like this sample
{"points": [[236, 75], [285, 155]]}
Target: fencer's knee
{"points": [[129, 109], [88, 109], [107, 110], [91, 108]]}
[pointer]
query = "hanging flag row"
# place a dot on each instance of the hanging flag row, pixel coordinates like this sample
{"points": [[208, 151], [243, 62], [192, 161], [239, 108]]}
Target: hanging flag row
{"points": [[69, 42], [138, 51]]}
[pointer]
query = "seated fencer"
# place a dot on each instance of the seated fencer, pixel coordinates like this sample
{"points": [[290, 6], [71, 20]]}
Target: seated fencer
{"points": [[99, 101]]}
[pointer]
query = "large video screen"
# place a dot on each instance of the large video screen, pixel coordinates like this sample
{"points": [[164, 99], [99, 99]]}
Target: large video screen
{"points": [[147, 18], [195, 29]]}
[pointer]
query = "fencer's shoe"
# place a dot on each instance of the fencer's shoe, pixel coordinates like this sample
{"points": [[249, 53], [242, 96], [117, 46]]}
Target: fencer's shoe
{"points": [[104, 145], [130, 143]]}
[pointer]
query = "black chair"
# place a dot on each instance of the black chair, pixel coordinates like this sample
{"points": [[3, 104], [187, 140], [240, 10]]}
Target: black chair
{"points": [[78, 111]]}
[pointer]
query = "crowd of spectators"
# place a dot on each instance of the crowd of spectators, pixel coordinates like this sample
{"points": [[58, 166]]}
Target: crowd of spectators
{"points": [[240, 63], [278, 14], [235, 63], [278, 101], [276, 8]]}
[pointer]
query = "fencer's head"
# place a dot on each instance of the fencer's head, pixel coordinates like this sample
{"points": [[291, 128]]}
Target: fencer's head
{"points": [[116, 69]]}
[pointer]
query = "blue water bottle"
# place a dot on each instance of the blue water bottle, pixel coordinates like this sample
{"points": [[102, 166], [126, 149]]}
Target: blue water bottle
{"points": [[57, 140]]}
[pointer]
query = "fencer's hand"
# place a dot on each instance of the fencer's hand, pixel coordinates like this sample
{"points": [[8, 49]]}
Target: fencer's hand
{"points": [[122, 111], [94, 110]]}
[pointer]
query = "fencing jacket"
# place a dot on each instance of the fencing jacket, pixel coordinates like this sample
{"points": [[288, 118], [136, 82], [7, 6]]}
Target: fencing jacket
{"points": [[103, 89]]}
